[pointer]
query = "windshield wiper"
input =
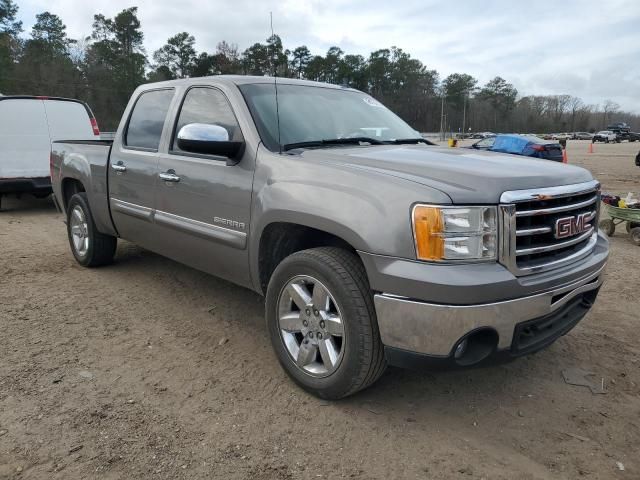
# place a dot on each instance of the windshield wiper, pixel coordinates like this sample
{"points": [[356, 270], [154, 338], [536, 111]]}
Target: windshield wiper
{"points": [[409, 141], [332, 141]]}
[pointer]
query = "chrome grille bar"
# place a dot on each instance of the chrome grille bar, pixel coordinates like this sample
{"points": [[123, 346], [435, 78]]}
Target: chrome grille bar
{"points": [[563, 208], [532, 231], [555, 246]]}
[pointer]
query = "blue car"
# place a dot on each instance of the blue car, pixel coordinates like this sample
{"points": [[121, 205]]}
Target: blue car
{"points": [[526, 145]]}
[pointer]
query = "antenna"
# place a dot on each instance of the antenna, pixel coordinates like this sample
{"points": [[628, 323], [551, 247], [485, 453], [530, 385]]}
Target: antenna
{"points": [[274, 69]]}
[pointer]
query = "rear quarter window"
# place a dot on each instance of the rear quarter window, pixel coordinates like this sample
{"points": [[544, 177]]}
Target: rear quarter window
{"points": [[68, 121], [147, 119]]}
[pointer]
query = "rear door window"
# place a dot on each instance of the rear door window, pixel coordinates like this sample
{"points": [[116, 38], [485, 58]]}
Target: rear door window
{"points": [[147, 119]]}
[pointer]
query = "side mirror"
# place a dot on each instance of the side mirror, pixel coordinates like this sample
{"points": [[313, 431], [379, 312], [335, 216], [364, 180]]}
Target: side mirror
{"points": [[209, 140]]}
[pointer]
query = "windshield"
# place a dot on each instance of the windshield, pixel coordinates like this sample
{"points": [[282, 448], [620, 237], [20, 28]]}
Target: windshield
{"points": [[309, 114]]}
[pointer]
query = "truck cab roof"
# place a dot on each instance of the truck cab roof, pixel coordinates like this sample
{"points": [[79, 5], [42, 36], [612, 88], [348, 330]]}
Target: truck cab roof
{"points": [[243, 80]]}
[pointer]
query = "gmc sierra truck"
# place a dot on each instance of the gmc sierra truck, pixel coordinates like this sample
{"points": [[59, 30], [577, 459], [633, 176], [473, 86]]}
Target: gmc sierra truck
{"points": [[371, 245]]}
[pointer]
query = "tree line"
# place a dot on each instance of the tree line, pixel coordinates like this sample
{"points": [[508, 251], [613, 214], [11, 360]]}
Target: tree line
{"points": [[104, 69]]}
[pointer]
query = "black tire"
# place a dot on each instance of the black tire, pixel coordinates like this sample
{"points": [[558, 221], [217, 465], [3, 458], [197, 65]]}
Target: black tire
{"points": [[342, 273], [634, 235], [608, 227], [631, 225], [101, 248]]}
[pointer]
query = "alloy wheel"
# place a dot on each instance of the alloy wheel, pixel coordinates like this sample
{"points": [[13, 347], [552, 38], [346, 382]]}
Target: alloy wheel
{"points": [[79, 231], [311, 326]]}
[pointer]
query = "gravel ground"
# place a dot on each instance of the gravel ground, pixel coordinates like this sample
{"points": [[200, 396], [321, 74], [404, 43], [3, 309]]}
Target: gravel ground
{"points": [[149, 369]]}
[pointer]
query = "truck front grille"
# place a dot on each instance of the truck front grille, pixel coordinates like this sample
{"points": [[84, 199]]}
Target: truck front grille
{"points": [[548, 227]]}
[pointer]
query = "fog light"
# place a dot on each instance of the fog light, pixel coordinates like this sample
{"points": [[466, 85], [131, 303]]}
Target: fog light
{"points": [[460, 349]]}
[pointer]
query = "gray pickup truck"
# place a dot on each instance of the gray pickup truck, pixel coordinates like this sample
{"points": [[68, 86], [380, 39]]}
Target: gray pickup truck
{"points": [[371, 245]]}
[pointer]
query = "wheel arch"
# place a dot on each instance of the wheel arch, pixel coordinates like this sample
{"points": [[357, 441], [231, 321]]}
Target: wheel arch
{"points": [[279, 239], [70, 186]]}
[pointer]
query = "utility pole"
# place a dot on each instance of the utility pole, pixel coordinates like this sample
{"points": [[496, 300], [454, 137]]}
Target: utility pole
{"points": [[464, 111], [442, 120]]}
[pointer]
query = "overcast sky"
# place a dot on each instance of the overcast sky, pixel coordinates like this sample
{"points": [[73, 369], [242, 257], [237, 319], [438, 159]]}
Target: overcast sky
{"points": [[590, 49]]}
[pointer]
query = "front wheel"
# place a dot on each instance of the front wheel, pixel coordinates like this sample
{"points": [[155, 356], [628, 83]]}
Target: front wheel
{"points": [[322, 322], [635, 236], [89, 247]]}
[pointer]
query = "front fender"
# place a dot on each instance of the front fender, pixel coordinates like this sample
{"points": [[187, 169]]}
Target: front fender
{"points": [[369, 210]]}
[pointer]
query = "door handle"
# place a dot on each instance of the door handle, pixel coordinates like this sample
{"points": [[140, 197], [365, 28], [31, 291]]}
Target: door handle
{"points": [[119, 167], [169, 176]]}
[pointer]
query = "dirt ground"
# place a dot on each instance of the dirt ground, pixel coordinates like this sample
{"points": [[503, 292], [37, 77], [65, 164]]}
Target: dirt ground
{"points": [[149, 369]]}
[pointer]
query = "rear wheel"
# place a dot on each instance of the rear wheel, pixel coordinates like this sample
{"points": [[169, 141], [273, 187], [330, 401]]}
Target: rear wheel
{"points": [[607, 226], [635, 235], [89, 247], [322, 322]]}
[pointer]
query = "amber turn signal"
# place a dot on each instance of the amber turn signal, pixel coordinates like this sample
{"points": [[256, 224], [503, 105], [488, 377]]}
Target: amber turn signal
{"points": [[428, 230]]}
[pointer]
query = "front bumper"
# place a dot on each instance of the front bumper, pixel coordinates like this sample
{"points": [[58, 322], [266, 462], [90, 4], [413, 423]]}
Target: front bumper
{"points": [[435, 330], [527, 313]]}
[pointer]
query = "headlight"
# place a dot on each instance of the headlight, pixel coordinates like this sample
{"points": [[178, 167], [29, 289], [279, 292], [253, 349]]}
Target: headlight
{"points": [[455, 233]]}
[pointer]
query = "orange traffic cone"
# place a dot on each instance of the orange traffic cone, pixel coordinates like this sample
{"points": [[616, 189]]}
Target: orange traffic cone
{"points": [[564, 156], [591, 148]]}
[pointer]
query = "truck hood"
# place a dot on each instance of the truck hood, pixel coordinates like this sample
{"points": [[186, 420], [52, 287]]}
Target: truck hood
{"points": [[466, 176]]}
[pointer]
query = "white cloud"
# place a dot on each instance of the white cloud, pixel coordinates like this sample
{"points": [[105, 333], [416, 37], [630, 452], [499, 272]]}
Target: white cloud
{"points": [[589, 49]]}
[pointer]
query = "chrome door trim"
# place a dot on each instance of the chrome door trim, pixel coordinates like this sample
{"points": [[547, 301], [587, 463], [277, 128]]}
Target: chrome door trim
{"points": [[132, 209], [223, 235], [169, 177]]}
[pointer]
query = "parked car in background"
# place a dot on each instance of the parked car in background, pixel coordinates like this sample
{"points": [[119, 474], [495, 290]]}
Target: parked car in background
{"points": [[526, 145], [560, 136], [28, 125], [623, 132], [638, 159], [582, 136], [605, 136], [618, 126], [480, 135]]}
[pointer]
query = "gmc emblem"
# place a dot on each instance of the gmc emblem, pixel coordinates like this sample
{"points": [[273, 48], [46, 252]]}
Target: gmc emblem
{"points": [[571, 226]]}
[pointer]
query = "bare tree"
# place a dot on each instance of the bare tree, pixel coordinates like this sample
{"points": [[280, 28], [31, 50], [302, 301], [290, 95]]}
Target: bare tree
{"points": [[608, 108]]}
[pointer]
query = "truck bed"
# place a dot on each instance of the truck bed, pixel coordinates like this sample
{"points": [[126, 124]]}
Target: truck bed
{"points": [[84, 162]]}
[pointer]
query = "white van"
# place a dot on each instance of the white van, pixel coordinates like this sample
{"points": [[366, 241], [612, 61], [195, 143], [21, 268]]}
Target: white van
{"points": [[28, 125]]}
